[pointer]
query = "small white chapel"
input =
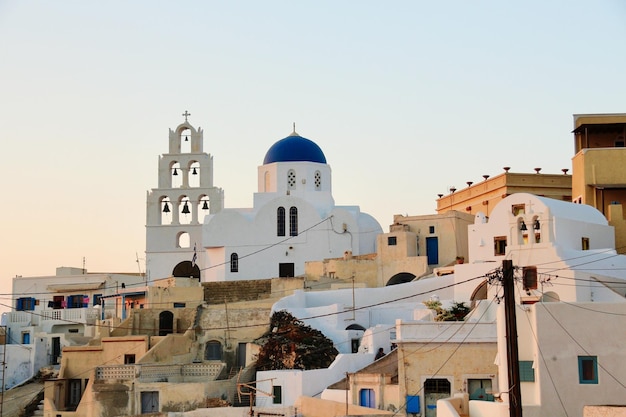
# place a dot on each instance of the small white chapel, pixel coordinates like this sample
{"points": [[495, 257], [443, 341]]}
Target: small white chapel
{"points": [[294, 220]]}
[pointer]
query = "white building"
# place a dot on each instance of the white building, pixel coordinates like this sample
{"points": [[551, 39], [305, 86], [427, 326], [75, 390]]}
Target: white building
{"points": [[52, 312], [570, 293], [293, 219], [176, 208]]}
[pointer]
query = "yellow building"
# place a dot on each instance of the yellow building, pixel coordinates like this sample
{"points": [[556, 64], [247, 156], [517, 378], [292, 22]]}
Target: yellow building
{"points": [[599, 167], [483, 196]]}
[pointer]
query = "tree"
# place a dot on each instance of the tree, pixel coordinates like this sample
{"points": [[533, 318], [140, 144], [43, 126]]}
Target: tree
{"points": [[457, 312], [290, 344]]}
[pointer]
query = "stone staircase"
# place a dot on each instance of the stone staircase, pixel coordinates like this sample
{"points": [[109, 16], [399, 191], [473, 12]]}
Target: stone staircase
{"points": [[38, 412], [244, 375]]}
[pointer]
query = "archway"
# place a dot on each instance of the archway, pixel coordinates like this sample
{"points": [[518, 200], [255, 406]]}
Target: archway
{"points": [[400, 278], [166, 323], [480, 293], [186, 269]]}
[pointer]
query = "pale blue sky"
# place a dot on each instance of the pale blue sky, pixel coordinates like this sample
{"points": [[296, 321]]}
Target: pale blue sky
{"points": [[406, 98]]}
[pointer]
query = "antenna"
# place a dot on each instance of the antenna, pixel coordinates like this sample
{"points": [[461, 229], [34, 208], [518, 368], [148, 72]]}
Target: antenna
{"points": [[138, 264]]}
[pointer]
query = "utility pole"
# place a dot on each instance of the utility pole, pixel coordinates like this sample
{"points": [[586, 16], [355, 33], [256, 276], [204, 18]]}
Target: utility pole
{"points": [[515, 396]]}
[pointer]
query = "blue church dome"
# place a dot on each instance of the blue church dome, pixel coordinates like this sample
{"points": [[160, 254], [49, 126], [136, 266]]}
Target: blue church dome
{"points": [[294, 148]]}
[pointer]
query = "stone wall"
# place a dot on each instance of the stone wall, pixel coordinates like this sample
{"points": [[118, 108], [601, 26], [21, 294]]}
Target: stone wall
{"points": [[232, 291], [216, 293]]}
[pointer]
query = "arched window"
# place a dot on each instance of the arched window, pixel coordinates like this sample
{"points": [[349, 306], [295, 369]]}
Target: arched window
{"points": [[185, 141], [176, 175], [291, 179], [234, 262], [182, 240], [165, 210], [280, 221], [318, 181], [293, 221], [213, 351]]}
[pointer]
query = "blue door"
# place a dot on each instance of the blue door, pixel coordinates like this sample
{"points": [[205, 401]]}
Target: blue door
{"points": [[432, 250], [367, 398]]}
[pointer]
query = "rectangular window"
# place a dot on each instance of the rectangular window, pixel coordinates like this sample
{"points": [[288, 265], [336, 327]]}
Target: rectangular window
{"points": [[518, 209], [529, 274], [526, 371], [585, 243], [588, 369], [75, 301], [499, 245], [277, 392], [25, 304], [286, 270], [392, 241], [431, 229], [96, 299], [179, 305], [129, 359], [73, 394]]}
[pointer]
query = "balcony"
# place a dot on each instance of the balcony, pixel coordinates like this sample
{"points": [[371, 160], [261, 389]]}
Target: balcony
{"points": [[192, 372]]}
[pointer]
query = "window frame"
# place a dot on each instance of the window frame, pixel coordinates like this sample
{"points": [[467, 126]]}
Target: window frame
{"points": [[392, 240], [277, 394], [293, 221], [582, 378], [584, 243], [234, 262], [499, 245], [280, 221], [526, 371]]}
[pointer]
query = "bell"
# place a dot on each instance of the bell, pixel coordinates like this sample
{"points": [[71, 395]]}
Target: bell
{"points": [[537, 225], [186, 138], [166, 208], [523, 227], [205, 205], [175, 172], [186, 209], [194, 172]]}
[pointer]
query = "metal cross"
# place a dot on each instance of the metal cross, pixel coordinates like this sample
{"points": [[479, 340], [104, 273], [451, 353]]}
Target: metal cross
{"points": [[186, 114]]}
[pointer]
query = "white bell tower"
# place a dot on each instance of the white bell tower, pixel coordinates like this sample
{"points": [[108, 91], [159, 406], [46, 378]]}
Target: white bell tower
{"points": [[176, 209]]}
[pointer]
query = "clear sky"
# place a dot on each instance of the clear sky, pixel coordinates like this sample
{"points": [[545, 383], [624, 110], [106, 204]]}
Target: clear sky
{"points": [[406, 98]]}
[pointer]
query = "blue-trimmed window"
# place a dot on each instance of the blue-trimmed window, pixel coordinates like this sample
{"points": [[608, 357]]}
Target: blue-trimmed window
{"points": [[588, 369], [25, 304], [77, 301], [96, 299], [526, 371]]}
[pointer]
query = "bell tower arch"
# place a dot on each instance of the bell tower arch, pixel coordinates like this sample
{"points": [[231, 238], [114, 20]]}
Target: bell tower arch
{"points": [[185, 194]]}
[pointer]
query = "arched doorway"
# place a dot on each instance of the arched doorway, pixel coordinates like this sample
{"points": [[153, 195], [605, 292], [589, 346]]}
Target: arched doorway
{"points": [[355, 333], [400, 278], [166, 323], [480, 293], [186, 269]]}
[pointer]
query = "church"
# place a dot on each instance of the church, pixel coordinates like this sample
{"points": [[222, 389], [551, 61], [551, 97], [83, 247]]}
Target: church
{"points": [[294, 220]]}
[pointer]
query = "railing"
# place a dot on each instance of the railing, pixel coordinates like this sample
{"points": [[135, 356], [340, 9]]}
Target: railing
{"points": [[80, 315], [22, 317], [161, 373]]}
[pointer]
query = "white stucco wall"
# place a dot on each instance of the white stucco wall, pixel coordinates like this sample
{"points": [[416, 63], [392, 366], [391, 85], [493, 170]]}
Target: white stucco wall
{"points": [[308, 383]]}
